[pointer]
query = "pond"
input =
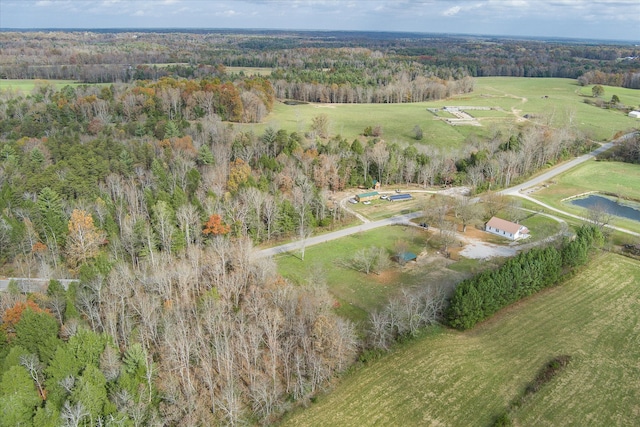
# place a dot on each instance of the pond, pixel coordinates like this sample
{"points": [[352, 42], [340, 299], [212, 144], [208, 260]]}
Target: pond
{"points": [[610, 206]]}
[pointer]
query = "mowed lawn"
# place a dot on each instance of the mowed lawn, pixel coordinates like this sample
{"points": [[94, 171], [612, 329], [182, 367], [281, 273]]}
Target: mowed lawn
{"points": [[358, 294], [451, 378], [26, 86]]}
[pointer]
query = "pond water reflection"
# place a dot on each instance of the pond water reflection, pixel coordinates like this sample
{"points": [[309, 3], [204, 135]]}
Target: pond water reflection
{"points": [[610, 206]]}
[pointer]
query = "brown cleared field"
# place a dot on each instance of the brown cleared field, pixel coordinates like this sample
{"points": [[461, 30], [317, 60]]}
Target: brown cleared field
{"points": [[450, 378]]}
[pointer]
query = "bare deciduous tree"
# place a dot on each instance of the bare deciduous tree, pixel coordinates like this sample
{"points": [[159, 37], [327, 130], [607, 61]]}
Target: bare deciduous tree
{"points": [[466, 211]]}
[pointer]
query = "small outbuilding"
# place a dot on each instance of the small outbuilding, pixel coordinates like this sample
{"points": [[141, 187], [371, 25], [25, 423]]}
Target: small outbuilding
{"points": [[405, 257], [634, 114], [508, 229], [400, 197], [367, 196]]}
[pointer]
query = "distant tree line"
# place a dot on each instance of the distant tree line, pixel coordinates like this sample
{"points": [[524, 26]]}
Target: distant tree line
{"points": [[359, 62]]}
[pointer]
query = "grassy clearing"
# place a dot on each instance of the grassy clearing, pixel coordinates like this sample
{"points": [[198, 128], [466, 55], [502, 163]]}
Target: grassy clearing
{"points": [[557, 101], [249, 71], [541, 227], [461, 379], [26, 86], [612, 177], [364, 292], [381, 209], [357, 293], [550, 100]]}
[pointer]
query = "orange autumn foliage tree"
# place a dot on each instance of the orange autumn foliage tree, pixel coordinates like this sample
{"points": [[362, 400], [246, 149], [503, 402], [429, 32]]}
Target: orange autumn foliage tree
{"points": [[215, 226], [13, 314]]}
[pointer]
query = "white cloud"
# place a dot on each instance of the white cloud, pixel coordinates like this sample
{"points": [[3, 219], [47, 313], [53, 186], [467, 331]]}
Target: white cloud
{"points": [[452, 11], [227, 13]]}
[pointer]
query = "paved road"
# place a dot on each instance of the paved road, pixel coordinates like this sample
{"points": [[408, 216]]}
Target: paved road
{"points": [[515, 190], [298, 245]]}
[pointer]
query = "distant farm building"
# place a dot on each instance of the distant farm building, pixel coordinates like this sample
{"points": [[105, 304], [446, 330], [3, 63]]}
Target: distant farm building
{"points": [[367, 196], [634, 114], [508, 229], [400, 197]]}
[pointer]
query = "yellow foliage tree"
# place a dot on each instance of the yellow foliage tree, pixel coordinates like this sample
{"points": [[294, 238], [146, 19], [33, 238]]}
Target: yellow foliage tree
{"points": [[239, 173], [84, 238]]}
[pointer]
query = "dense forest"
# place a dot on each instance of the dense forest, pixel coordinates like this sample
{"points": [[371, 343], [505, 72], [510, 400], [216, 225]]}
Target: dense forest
{"points": [[144, 191]]}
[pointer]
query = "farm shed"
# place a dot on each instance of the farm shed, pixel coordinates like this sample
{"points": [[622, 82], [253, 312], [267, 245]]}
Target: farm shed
{"points": [[400, 197], [405, 257], [634, 114], [367, 196], [508, 229]]}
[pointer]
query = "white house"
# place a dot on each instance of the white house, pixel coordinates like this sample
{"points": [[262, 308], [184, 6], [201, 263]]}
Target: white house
{"points": [[507, 229], [634, 114]]}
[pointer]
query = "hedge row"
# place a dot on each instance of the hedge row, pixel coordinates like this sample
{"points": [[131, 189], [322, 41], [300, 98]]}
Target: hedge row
{"points": [[478, 298]]}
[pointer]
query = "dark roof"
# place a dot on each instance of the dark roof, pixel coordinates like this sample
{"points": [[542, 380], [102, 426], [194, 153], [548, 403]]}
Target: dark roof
{"points": [[400, 196]]}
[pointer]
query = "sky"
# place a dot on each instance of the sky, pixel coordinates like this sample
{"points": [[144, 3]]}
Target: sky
{"points": [[583, 19]]}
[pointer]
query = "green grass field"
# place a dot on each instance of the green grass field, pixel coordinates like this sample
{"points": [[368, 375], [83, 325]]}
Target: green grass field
{"points": [[450, 378], [249, 71], [556, 101], [26, 86], [358, 293], [612, 177]]}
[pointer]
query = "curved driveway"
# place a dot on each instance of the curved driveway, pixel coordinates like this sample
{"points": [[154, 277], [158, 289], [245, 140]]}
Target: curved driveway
{"points": [[537, 180]]}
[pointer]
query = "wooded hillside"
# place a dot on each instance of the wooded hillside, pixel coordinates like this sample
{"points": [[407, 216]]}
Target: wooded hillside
{"points": [[145, 190]]}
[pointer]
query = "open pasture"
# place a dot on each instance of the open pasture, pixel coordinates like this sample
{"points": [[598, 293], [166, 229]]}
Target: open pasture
{"points": [[26, 86], [468, 378], [380, 209], [555, 101], [249, 71], [357, 293]]}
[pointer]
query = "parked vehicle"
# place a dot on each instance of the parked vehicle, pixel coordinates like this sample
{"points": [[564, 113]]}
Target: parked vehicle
{"points": [[367, 202], [384, 197], [354, 201]]}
